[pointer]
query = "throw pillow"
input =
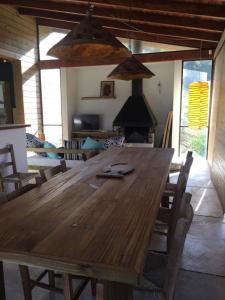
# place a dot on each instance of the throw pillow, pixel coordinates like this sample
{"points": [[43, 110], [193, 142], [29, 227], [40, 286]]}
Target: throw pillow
{"points": [[33, 142], [114, 141], [48, 145], [91, 144]]}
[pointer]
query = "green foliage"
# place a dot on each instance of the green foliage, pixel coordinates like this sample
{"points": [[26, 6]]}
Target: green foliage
{"points": [[198, 144], [194, 140]]}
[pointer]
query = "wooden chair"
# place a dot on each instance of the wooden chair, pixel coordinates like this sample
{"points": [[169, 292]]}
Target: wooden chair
{"points": [[176, 167], [29, 283], [167, 217], [47, 174], [4, 197], [160, 271], [175, 190], [17, 178], [171, 187]]}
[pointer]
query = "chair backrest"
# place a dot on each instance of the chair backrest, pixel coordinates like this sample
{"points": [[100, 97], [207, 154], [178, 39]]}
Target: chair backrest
{"points": [[51, 172], [177, 205], [188, 162], [177, 246], [189, 154], [185, 170], [12, 162], [20, 191]]}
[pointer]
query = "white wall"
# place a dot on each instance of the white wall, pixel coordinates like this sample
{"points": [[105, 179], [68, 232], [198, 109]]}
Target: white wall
{"points": [[85, 81]]}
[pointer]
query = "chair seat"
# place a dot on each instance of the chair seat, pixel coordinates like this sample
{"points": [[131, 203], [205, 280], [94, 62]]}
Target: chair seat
{"points": [[18, 177]]}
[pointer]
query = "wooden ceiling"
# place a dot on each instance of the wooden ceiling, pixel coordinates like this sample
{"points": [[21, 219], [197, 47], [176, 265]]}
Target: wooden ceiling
{"points": [[190, 23]]}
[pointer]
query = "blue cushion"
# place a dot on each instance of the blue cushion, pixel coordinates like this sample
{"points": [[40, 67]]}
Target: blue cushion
{"points": [[48, 145], [91, 144]]}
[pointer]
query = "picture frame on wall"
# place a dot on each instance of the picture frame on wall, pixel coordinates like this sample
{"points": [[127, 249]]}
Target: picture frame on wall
{"points": [[107, 89]]}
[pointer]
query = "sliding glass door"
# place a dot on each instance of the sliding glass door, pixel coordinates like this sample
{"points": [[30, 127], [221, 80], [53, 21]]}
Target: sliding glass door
{"points": [[192, 136]]}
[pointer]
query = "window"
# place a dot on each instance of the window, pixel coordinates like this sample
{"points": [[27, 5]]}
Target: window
{"points": [[51, 87], [51, 101], [48, 38], [195, 140]]}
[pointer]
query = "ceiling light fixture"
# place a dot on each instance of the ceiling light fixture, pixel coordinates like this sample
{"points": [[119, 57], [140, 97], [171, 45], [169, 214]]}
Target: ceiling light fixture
{"points": [[130, 69], [88, 40]]}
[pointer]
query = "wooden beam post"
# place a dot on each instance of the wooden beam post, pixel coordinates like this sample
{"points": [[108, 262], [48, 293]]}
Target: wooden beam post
{"points": [[144, 58]]}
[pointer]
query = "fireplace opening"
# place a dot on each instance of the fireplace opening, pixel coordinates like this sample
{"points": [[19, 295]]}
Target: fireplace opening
{"points": [[136, 134]]}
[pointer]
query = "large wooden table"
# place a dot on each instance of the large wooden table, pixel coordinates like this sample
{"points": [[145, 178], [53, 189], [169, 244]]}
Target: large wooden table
{"points": [[79, 224]]}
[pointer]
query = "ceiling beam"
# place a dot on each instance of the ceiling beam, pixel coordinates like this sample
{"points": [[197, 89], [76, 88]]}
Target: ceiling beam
{"points": [[144, 58], [148, 28], [175, 7], [122, 14], [148, 37]]}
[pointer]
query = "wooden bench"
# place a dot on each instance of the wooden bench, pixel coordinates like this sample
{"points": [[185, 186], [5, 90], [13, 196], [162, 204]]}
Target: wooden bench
{"points": [[85, 154]]}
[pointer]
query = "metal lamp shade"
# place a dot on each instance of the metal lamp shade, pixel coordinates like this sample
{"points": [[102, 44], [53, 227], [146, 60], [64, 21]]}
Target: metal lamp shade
{"points": [[130, 69], [88, 40]]}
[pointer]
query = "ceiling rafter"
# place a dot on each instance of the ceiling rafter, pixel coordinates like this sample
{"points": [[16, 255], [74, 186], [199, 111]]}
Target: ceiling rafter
{"points": [[173, 7], [148, 28], [189, 24], [135, 35], [122, 14]]}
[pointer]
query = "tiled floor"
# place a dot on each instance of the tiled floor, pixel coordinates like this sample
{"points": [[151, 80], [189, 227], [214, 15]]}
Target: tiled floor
{"points": [[202, 276]]}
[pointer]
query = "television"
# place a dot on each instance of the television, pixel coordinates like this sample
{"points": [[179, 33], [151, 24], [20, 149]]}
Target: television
{"points": [[85, 122]]}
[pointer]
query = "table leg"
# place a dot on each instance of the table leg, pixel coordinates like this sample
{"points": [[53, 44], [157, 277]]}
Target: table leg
{"points": [[118, 291], [25, 276], [51, 278], [68, 289], [2, 282]]}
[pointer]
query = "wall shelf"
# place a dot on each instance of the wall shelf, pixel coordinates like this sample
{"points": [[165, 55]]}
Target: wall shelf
{"points": [[97, 97]]}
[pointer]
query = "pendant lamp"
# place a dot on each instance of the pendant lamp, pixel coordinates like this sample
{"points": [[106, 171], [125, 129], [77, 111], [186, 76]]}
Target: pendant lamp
{"points": [[130, 69], [198, 105], [89, 41]]}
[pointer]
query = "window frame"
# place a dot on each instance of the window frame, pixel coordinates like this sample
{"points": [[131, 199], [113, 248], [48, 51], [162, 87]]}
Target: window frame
{"points": [[210, 104]]}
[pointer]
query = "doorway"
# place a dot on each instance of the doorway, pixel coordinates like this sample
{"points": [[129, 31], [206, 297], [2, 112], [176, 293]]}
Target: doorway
{"points": [[194, 139]]}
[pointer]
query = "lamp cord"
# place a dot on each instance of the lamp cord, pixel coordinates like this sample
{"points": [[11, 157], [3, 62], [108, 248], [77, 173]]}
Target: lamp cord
{"points": [[200, 60], [90, 8], [130, 25]]}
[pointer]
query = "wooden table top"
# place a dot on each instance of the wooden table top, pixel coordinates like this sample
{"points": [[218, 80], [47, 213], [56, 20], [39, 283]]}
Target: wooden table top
{"points": [[80, 224]]}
